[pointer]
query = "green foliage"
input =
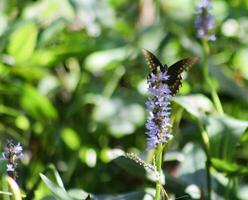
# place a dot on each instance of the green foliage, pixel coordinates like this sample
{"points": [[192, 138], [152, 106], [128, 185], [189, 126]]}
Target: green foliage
{"points": [[73, 92]]}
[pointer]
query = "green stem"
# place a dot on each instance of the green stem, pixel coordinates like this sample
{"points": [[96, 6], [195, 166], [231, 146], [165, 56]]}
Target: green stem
{"points": [[159, 154], [206, 146], [218, 106], [157, 10], [209, 82], [228, 189], [209, 184]]}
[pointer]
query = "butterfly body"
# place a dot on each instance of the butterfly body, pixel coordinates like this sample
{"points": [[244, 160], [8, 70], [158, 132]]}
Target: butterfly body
{"points": [[174, 71]]}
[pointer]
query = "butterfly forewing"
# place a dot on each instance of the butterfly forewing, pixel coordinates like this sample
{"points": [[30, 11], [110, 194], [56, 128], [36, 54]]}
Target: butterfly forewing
{"points": [[175, 73], [152, 61]]}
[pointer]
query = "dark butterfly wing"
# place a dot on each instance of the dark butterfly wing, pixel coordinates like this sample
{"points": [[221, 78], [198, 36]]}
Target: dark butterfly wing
{"points": [[175, 73], [88, 198], [152, 61]]}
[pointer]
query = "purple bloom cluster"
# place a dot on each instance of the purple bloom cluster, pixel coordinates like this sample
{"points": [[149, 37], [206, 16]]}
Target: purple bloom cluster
{"points": [[158, 106], [204, 22], [11, 154]]}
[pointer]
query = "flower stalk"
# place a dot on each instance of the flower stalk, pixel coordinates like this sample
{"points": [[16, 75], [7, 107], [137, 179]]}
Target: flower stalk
{"points": [[204, 24], [158, 122], [159, 158]]}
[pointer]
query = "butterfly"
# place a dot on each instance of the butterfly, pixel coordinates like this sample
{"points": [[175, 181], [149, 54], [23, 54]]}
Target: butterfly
{"points": [[174, 71]]}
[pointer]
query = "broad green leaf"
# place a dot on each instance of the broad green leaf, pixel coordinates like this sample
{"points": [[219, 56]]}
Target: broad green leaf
{"points": [[194, 159], [22, 42], [196, 105], [37, 104], [101, 61], [224, 133], [229, 168], [30, 73], [192, 168], [121, 119], [43, 58]]}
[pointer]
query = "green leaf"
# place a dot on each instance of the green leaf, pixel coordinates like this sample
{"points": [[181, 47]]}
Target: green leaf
{"points": [[130, 166], [121, 119], [230, 168], [44, 58], [22, 42], [196, 105], [57, 176], [58, 191], [30, 73], [102, 60], [37, 104], [47, 11], [191, 172], [78, 194], [224, 133], [137, 169]]}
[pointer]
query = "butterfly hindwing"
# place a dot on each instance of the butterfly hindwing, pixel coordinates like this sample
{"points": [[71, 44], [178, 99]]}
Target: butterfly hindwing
{"points": [[175, 73]]}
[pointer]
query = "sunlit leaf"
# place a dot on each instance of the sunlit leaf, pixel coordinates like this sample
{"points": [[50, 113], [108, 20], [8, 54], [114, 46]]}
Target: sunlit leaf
{"points": [[23, 41], [48, 11], [196, 105], [98, 62], [22, 122], [70, 138], [121, 119], [37, 104], [88, 156]]}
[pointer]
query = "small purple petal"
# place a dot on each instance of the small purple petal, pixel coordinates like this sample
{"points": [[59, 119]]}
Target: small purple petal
{"points": [[204, 22], [10, 168], [158, 107]]}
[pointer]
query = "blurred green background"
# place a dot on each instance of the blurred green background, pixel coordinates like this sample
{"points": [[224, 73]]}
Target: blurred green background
{"points": [[73, 92]]}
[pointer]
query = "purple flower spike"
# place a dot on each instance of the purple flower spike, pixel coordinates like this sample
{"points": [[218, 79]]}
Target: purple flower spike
{"points": [[204, 22], [158, 107], [12, 153]]}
